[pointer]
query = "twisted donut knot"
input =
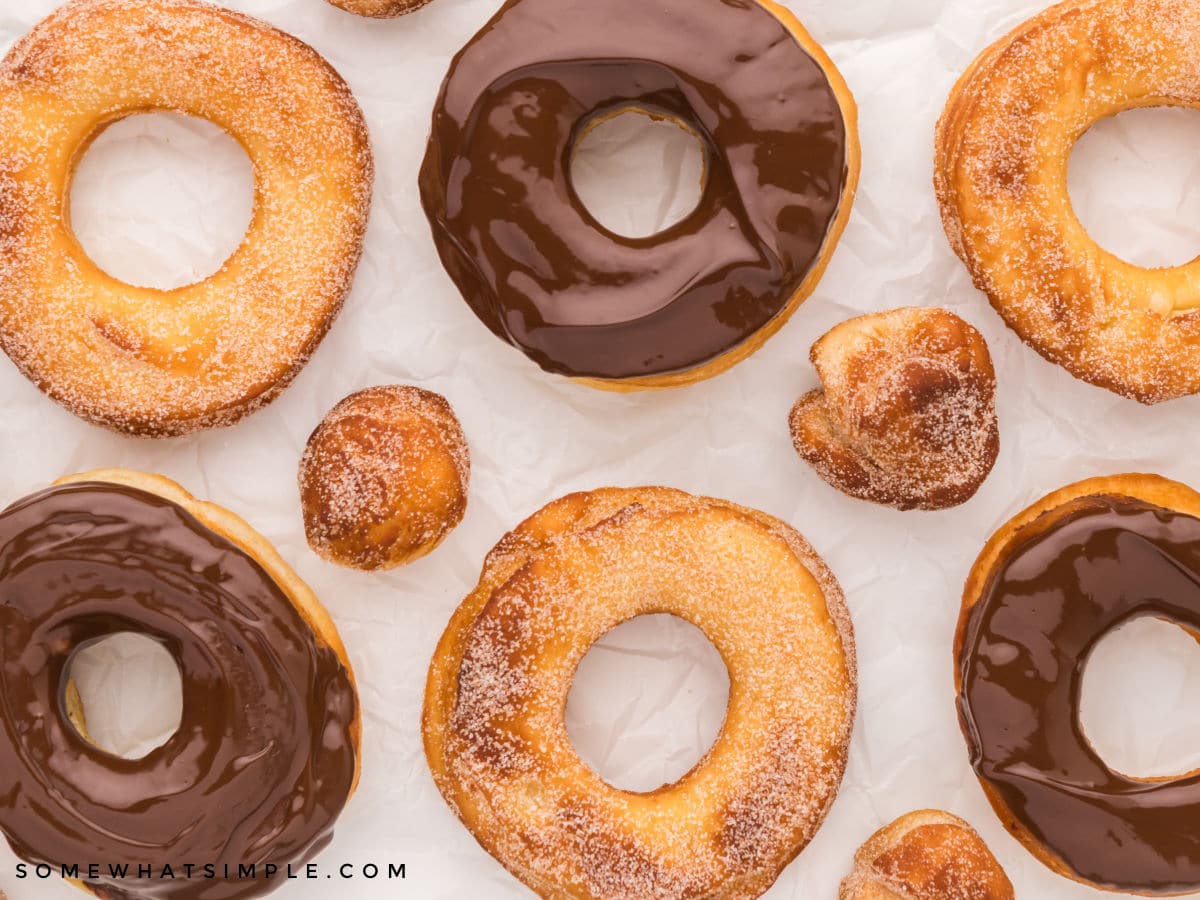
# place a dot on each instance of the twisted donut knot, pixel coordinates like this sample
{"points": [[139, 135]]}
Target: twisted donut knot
{"points": [[384, 478], [379, 9], [906, 416], [926, 855]]}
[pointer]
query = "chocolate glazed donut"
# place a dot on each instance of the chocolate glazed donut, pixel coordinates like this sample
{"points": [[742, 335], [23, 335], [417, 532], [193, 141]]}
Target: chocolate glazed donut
{"points": [[265, 754], [777, 124], [1073, 572]]}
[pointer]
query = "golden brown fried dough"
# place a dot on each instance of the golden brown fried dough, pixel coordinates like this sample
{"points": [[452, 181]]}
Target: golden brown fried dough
{"points": [[906, 414], [1003, 148], [493, 723], [384, 478], [926, 855], [379, 9], [153, 362]]}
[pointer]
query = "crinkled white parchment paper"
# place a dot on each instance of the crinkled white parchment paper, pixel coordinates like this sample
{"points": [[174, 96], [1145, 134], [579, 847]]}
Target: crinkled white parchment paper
{"points": [[648, 702]]}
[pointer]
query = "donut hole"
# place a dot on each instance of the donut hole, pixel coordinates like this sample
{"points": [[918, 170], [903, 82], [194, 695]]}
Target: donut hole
{"points": [[131, 692], [648, 702], [1132, 183], [1136, 704], [162, 200], [637, 174]]}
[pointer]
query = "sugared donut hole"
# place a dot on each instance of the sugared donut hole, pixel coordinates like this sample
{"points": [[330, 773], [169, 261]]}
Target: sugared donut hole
{"points": [[637, 175], [162, 200], [131, 691], [648, 702], [1136, 706], [1132, 182]]}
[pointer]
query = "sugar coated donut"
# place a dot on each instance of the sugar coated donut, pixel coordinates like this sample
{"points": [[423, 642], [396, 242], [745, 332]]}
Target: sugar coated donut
{"points": [[266, 754], [493, 725], [906, 414], [384, 477], [926, 855], [379, 9], [1003, 147], [155, 362], [1049, 585], [778, 127]]}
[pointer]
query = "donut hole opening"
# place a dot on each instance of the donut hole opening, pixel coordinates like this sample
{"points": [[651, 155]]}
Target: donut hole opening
{"points": [[648, 702], [1132, 181], [636, 173], [161, 200], [1136, 704], [131, 692]]}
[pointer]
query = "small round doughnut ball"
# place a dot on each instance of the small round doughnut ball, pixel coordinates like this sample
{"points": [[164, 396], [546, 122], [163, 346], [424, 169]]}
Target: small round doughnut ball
{"points": [[384, 478], [379, 9]]}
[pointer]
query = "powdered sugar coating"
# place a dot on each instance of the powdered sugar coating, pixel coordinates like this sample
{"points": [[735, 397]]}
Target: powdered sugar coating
{"points": [[494, 731], [155, 362], [907, 412], [1003, 149], [384, 477]]}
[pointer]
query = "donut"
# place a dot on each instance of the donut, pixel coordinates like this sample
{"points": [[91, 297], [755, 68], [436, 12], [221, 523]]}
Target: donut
{"points": [[1045, 590], [493, 723], [383, 479], [906, 414], [1003, 148], [266, 754], [152, 362], [379, 9], [926, 855], [779, 130]]}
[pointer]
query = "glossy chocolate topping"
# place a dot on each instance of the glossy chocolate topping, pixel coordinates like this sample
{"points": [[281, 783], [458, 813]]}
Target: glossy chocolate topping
{"points": [[263, 760], [540, 271], [1101, 562]]}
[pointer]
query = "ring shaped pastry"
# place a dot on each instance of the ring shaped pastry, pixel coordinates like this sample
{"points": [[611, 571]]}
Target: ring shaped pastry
{"points": [[266, 754], [778, 126], [1046, 589], [163, 362], [1003, 148], [494, 732]]}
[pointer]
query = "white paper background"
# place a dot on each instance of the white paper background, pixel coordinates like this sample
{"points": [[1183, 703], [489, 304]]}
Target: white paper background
{"points": [[646, 704]]}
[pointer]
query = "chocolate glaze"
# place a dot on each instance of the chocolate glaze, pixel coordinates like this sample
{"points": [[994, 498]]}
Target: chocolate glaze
{"points": [[540, 271], [263, 760], [1100, 562]]}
